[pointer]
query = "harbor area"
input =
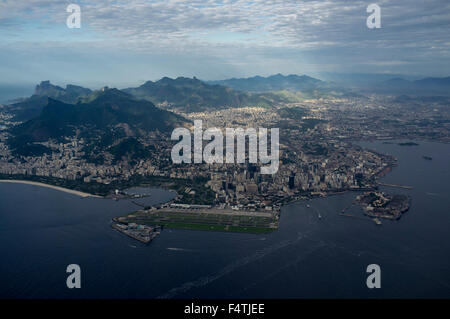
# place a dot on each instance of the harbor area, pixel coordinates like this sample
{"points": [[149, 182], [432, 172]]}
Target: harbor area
{"points": [[143, 233]]}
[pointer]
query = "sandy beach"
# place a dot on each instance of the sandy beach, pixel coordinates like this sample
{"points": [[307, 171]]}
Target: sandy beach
{"points": [[62, 189]]}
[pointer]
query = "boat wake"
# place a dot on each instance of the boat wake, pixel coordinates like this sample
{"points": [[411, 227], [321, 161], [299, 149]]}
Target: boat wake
{"points": [[433, 194], [178, 249], [229, 268]]}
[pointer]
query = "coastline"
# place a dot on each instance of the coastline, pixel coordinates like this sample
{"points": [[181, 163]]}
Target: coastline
{"points": [[62, 189]]}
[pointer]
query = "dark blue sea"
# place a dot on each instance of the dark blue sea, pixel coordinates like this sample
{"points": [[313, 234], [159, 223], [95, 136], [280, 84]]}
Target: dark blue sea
{"points": [[44, 230]]}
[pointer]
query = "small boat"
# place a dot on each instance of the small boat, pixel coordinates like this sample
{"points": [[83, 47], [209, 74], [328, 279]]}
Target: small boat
{"points": [[307, 205], [320, 216], [377, 221]]}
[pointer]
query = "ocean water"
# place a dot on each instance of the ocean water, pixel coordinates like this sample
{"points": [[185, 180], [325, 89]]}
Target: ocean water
{"points": [[9, 92], [44, 230]]}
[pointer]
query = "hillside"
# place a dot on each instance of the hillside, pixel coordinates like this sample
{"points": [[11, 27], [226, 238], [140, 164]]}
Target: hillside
{"points": [[277, 82], [112, 115], [194, 95], [32, 106]]}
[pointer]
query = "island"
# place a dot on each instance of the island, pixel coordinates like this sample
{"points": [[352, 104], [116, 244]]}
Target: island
{"points": [[381, 205], [143, 233]]}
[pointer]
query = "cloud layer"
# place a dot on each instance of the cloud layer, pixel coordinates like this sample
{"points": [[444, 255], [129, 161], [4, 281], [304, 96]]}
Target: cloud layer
{"points": [[229, 38]]}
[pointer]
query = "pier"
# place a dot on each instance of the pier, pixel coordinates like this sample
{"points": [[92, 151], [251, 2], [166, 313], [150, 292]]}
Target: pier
{"points": [[353, 216], [395, 185]]}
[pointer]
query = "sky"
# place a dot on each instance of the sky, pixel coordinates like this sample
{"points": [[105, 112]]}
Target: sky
{"points": [[125, 43]]}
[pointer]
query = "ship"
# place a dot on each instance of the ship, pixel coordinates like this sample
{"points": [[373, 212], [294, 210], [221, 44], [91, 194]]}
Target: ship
{"points": [[377, 221]]}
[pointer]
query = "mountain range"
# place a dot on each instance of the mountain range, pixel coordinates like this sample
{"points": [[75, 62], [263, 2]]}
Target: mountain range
{"points": [[31, 107], [425, 86], [111, 115], [192, 94], [277, 82], [393, 84], [195, 95], [186, 94]]}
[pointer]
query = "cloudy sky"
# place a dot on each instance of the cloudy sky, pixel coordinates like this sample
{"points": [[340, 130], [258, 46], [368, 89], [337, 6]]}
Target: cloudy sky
{"points": [[123, 43]]}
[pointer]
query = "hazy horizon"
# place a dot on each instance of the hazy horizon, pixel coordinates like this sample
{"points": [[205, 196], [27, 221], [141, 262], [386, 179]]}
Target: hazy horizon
{"points": [[95, 85]]}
